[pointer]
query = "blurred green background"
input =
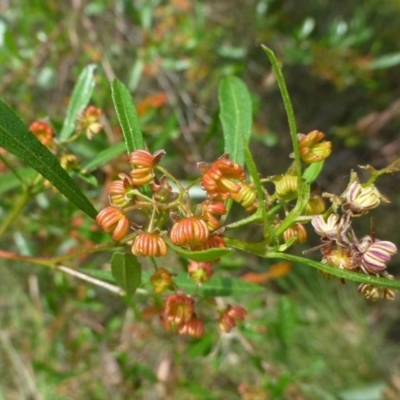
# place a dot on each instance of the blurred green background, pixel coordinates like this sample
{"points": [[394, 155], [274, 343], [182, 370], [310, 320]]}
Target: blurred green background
{"points": [[305, 337]]}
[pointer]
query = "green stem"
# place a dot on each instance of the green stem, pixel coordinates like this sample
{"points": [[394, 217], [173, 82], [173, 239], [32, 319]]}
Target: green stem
{"points": [[302, 185], [288, 108], [340, 273], [171, 177], [245, 221]]}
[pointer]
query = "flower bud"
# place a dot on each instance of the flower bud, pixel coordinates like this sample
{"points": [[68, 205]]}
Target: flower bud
{"points": [[328, 229], [246, 197], [217, 178], [208, 208], [298, 231], [112, 219], [228, 318], [373, 293], [179, 308], [143, 163], [200, 272], [312, 148], [89, 121], [287, 187], [69, 161], [43, 131], [375, 254], [315, 205], [119, 191], [162, 280], [189, 231], [194, 327], [360, 199], [149, 244]]}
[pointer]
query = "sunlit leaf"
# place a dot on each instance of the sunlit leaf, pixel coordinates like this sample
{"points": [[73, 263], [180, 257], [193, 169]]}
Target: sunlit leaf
{"points": [[127, 116], [126, 271], [79, 100], [17, 139], [235, 115]]}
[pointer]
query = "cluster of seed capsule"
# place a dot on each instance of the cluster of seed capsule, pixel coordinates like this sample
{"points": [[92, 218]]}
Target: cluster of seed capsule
{"points": [[342, 249], [194, 226]]}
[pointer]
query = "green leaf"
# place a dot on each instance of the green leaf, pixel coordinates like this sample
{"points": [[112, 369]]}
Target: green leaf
{"points": [[126, 271], [203, 255], [312, 172], [17, 139], [103, 157], [79, 100], [235, 115], [127, 116]]}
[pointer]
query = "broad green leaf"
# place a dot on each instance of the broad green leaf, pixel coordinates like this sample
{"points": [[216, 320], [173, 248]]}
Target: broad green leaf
{"points": [[126, 271], [127, 116], [286, 320], [203, 255], [103, 157], [79, 100], [311, 173], [17, 139], [235, 115]]}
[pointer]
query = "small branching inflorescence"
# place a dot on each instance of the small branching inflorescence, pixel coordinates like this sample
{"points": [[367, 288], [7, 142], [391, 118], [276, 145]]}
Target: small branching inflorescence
{"points": [[153, 214]]}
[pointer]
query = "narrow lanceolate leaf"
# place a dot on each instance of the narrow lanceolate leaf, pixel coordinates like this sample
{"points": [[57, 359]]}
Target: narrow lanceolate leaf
{"points": [[202, 255], [127, 116], [126, 271], [235, 115], [18, 140], [79, 100]]}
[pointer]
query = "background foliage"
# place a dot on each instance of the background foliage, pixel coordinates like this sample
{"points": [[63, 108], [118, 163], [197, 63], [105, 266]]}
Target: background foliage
{"points": [[305, 337]]}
